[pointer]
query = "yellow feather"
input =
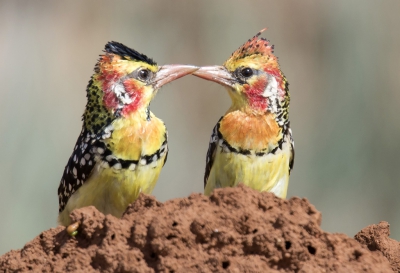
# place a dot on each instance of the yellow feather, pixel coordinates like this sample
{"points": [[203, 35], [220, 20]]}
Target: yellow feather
{"points": [[262, 173], [134, 136]]}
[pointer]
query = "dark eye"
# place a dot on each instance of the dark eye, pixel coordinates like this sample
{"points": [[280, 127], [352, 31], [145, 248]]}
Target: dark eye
{"points": [[144, 74], [247, 72]]}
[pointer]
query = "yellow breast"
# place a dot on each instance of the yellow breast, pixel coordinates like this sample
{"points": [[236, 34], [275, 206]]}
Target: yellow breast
{"points": [[133, 137]]}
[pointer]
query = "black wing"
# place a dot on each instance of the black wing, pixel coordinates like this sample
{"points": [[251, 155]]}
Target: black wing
{"points": [[78, 168], [291, 160], [215, 136], [166, 146]]}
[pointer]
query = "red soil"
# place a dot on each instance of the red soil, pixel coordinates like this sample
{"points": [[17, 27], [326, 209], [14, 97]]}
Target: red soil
{"points": [[233, 230]]}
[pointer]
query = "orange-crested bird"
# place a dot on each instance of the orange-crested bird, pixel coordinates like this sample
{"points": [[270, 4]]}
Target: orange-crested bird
{"points": [[252, 143], [123, 145]]}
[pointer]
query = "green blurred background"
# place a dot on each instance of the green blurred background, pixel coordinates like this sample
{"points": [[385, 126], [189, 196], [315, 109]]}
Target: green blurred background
{"points": [[342, 59]]}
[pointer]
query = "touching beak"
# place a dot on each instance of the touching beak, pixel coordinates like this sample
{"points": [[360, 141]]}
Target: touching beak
{"points": [[217, 74], [168, 73]]}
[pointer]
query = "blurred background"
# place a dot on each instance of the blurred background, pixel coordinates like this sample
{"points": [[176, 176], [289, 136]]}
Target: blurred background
{"points": [[342, 59]]}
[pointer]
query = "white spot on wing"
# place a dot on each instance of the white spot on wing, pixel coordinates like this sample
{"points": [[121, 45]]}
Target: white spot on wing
{"points": [[106, 135], [109, 128]]}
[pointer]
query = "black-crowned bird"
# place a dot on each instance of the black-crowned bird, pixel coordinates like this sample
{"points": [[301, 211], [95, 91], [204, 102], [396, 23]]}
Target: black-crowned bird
{"points": [[123, 145]]}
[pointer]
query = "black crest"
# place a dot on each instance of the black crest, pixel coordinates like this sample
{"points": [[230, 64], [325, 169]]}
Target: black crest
{"points": [[127, 53]]}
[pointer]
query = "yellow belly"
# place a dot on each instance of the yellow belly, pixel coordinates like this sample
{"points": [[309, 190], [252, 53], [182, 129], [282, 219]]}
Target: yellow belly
{"points": [[110, 191], [263, 173]]}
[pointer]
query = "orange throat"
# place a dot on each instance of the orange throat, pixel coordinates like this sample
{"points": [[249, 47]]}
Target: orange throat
{"points": [[249, 131]]}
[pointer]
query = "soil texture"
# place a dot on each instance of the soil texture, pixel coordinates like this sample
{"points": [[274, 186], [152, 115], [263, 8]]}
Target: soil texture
{"points": [[233, 230]]}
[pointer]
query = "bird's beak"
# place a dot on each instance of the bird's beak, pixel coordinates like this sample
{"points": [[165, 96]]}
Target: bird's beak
{"points": [[217, 74], [168, 73]]}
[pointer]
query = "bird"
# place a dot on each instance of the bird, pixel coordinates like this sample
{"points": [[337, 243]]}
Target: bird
{"points": [[252, 143], [122, 146]]}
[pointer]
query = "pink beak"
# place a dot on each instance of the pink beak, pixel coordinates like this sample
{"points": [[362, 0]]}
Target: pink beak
{"points": [[215, 73], [169, 73]]}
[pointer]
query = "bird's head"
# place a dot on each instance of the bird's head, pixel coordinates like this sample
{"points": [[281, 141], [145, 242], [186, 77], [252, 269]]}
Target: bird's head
{"points": [[252, 76], [125, 81], [129, 80]]}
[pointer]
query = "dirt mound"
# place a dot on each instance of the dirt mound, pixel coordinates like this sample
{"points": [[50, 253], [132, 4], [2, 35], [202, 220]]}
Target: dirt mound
{"points": [[376, 238], [234, 230]]}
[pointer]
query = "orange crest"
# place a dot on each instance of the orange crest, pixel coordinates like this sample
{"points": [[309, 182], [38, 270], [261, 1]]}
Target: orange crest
{"points": [[256, 47]]}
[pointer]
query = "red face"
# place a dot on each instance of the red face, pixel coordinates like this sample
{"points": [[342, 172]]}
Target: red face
{"points": [[254, 93], [135, 92], [130, 85], [108, 75], [263, 86], [120, 89]]}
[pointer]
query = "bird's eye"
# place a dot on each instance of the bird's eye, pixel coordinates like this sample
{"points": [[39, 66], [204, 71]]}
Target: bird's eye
{"points": [[247, 72], [144, 74]]}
